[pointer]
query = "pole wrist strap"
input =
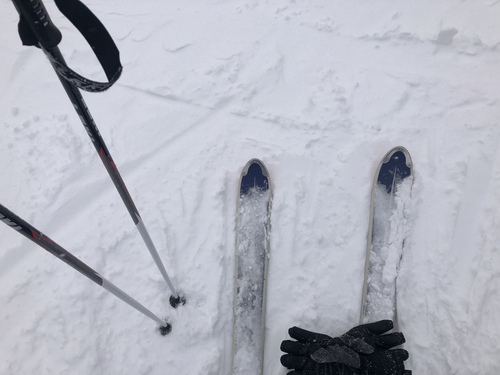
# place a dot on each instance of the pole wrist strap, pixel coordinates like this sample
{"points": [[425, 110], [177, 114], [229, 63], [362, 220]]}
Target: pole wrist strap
{"points": [[36, 29]]}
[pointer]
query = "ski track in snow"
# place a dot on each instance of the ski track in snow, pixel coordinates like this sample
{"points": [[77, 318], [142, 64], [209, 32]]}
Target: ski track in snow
{"points": [[319, 92]]}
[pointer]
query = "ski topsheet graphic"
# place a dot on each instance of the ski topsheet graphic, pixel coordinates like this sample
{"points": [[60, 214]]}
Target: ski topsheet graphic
{"points": [[386, 234], [252, 250]]}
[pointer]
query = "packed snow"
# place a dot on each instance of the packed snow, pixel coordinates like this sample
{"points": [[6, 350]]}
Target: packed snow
{"points": [[319, 91]]}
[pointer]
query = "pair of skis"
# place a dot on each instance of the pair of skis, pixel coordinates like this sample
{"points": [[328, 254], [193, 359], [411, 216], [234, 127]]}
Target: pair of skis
{"points": [[387, 231]]}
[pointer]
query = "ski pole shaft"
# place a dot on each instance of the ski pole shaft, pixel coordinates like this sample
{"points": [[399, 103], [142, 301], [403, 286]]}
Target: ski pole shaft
{"points": [[33, 234], [88, 122], [93, 132]]}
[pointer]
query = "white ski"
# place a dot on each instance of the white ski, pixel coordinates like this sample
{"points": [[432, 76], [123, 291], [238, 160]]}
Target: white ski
{"points": [[252, 256], [386, 234]]}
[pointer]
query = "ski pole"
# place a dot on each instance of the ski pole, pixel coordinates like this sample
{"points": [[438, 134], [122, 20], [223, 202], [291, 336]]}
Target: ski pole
{"points": [[33, 234], [36, 28]]}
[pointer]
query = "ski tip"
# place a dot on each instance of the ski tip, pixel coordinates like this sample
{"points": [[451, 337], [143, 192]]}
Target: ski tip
{"points": [[395, 166], [166, 329], [178, 300], [397, 152], [253, 163], [254, 175]]}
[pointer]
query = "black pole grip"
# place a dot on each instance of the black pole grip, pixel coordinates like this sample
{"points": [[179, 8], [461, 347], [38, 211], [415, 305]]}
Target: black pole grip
{"points": [[34, 15]]}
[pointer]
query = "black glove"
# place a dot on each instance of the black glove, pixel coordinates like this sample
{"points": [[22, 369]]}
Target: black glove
{"points": [[363, 350]]}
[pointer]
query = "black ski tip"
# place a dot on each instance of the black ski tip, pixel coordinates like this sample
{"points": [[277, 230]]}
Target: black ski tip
{"points": [[166, 329], [176, 301], [395, 167], [254, 175]]}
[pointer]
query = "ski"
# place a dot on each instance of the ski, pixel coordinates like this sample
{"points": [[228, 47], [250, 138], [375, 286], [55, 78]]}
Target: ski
{"points": [[252, 257], [387, 229]]}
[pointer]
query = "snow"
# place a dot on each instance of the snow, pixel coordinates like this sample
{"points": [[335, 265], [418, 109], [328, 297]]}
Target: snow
{"points": [[319, 92]]}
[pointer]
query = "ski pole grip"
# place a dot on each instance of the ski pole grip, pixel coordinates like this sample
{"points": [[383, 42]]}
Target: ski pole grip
{"points": [[34, 15]]}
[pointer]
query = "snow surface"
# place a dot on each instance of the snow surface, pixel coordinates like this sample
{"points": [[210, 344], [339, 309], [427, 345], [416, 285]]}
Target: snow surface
{"points": [[319, 91]]}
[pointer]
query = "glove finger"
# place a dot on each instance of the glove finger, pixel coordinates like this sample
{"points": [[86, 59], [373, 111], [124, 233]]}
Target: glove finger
{"points": [[382, 326], [390, 340], [294, 347], [303, 335], [293, 362], [407, 372], [399, 355]]}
